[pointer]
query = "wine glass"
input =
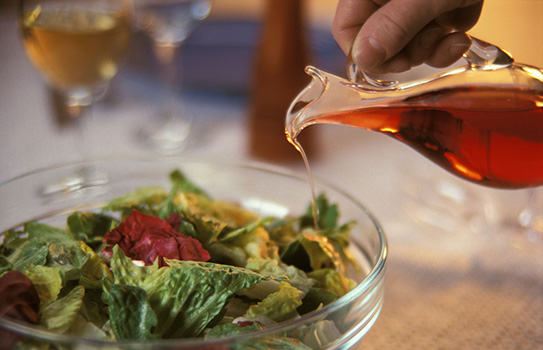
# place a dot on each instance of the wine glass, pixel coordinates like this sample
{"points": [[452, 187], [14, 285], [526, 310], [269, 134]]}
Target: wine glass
{"points": [[77, 46], [168, 23]]}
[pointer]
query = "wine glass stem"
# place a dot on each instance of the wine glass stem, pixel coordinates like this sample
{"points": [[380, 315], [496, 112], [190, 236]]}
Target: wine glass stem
{"points": [[174, 120], [79, 108], [531, 218], [168, 59]]}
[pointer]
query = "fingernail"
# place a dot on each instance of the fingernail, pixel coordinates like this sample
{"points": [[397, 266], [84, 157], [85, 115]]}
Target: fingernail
{"points": [[368, 53], [430, 37]]}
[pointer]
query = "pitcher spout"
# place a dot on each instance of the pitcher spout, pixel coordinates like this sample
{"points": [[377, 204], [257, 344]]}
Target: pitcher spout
{"points": [[325, 94], [328, 94]]}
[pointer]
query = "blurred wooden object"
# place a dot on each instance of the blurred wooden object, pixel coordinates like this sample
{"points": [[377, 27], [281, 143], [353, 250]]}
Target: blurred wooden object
{"points": [[278, 77]]}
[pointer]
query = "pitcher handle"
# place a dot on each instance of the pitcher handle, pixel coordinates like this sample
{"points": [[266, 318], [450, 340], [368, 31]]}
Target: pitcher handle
{"points": [[481, 55]]}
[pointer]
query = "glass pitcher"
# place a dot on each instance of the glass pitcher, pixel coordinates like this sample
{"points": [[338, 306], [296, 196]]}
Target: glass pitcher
{"points": [[481, 118]]}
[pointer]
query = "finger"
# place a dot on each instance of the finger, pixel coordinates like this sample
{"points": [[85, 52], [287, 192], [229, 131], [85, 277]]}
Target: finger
{"points": [[462, 18], [423, 44], [449, 50], [395, 24], [389, 30], [349, 17], [397, 64]]}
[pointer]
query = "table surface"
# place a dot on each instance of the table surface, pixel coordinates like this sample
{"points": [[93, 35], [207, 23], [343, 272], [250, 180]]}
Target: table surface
{"points": [[460, 274]]}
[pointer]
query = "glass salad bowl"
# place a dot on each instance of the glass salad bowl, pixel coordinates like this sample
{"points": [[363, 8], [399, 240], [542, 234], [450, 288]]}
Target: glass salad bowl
{"points": [[273, 194]]}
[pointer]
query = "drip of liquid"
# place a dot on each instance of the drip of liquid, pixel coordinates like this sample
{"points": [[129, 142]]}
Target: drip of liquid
{"points": [[314, 208]]}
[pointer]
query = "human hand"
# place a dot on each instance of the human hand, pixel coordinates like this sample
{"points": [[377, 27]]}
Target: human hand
{"points": [[384, 36]]}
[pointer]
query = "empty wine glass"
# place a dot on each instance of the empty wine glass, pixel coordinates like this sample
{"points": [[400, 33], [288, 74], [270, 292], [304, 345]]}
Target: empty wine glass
{"points": [[77, 46], [168, 23]]}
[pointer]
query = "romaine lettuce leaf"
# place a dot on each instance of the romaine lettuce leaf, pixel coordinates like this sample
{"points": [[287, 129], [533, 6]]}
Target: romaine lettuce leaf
{"points": [[45, 233], [181, 183], [187, 295], [281, 271], [5, 265], [315, 299], [255, 243], [90, 227], [318, 335], [134, 317], [229, 329], [46, 280], [83, 328], [93, 270], [312, 252], [144, 199], [59, 315], [328, 214], [271, 342], [124, 271], [278, 306], [29, 253], [333, 281]]}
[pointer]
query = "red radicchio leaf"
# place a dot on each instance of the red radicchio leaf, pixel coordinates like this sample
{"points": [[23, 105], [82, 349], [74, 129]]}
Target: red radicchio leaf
{"points": [[19, 301], [146, 238], [175, 221]]}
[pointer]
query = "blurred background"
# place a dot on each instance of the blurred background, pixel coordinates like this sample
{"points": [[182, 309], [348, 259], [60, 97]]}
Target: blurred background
{"points": [[456, 279]]}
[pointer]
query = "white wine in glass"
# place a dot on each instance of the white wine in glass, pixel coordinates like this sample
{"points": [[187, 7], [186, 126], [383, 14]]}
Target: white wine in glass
{"points": [[77, 45]]}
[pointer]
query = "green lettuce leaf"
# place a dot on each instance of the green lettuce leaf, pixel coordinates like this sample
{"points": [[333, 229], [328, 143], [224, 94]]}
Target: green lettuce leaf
{"points": [[93, 269], [312, 252], [186, 296], [59, 315], [181, 183], [229, 329], [5, 265], [134, 317], [318, 335], [236, 246], [144, 199], [94, 308], [46, 280], [282, 272], [83, 328], [315, 299], [328, 214], [279, 306], [338, 235], [271, 342], [90, 227], [69, 259], [29, 253], [125, 272], [45, 233], [255, 243], [189, 295], [203, 227], [44, 245], [333, 281]]}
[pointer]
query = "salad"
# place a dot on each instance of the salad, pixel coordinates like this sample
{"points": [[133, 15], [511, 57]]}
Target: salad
{"points": [[158, 264]]}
